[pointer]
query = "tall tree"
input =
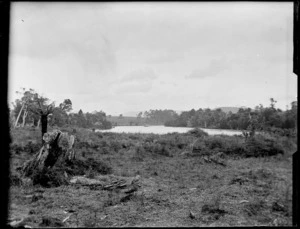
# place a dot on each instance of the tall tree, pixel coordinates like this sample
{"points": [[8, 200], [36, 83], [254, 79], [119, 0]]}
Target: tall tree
{"points": [[66, 105], [60, 116], [26, 99]]}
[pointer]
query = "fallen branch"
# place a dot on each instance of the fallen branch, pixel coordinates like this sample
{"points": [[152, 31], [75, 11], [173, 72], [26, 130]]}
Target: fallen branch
{"points": [[109, 182], [64, 220]]}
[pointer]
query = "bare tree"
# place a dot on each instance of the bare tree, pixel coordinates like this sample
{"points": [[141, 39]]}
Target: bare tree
{"points": [[38, 107]]}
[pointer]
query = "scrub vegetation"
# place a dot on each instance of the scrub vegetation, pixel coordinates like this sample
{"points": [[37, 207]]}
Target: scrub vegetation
{"points": [[190, 179]]}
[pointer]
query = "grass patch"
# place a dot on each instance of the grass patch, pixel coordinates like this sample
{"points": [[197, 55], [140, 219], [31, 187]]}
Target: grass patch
{"points": [[172, 185]]}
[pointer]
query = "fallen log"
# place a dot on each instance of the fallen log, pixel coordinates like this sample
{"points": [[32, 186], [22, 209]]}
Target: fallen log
{"points": [[109, 182], [126, 187]]}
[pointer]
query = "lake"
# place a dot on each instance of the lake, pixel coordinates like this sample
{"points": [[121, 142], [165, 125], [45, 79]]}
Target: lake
{"points": [[166, 130]]}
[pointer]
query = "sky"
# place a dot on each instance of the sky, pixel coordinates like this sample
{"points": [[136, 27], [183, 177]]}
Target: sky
{"points": [[135, 56]]}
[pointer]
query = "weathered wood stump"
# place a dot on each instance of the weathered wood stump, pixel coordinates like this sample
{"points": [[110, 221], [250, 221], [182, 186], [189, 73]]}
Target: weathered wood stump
{"points": [[56, 144]]}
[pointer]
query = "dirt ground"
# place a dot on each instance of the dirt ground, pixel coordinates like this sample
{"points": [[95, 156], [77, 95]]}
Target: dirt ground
{"points": [[175, 191]]}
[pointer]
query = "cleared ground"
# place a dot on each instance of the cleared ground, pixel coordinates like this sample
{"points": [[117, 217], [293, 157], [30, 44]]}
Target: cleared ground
{"points": [[177, 189]]}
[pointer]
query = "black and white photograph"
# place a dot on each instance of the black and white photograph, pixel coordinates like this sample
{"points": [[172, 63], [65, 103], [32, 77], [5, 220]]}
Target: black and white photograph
{"points": [[151, 114]]}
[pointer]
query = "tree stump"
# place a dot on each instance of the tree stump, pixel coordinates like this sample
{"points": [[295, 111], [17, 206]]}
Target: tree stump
{"points": [[56, 144]]}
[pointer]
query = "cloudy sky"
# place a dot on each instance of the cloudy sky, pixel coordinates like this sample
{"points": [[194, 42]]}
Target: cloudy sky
{"points": [[124, 57]]}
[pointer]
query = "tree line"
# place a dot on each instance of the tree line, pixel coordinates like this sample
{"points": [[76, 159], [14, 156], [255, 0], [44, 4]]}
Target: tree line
{"points": [[34, 109], [260, 118], [157, 117]]}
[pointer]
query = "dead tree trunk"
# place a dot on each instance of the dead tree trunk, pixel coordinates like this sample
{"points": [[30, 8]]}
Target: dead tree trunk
{"points": [[19, 115], [24, 117], [56, 144], [44, 122]]}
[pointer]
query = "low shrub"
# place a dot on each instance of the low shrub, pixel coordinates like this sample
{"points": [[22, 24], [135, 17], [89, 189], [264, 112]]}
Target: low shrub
{"points": [[32, 147], [259, 146], [134, 137], [198, 133], [160, 148], [115, 145], [28, 147], [199, 148], [279, 207], [80, 166], [254, 208], [103, 143], [104, 150], [57, 175], [288, 144], [48, 177], [212, 209], [99, 135], [90, 173], [139, 153], [150, 138], [99, 166], [14, 147], [217, 142], [48, 221], [15, 180]]}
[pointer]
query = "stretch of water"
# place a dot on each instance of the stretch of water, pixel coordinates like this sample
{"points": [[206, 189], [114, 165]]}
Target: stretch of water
{"points": [[166, 130]]}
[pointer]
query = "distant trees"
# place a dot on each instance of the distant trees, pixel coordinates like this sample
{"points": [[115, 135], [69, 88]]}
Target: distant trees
{"points": [[60, 115], [96, 119], [35, 109], [139, 115], [159, 117], [21, 105], [260, 118]]}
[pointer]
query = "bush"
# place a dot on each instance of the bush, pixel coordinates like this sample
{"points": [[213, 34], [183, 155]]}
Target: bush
{"points": [[254, 208], [115, 145], [161, 148], [48, 221], [229, 145], [99, 166], [15, 180], [79, 167], [16, 148], [198, 133], [260, 146], [258, 174], [151, 138], [48, 177], [139, 153], [56, 176], [134, 137], [104, 150], [200, 148], [32, 147], [91, 173], [216, 142]]}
